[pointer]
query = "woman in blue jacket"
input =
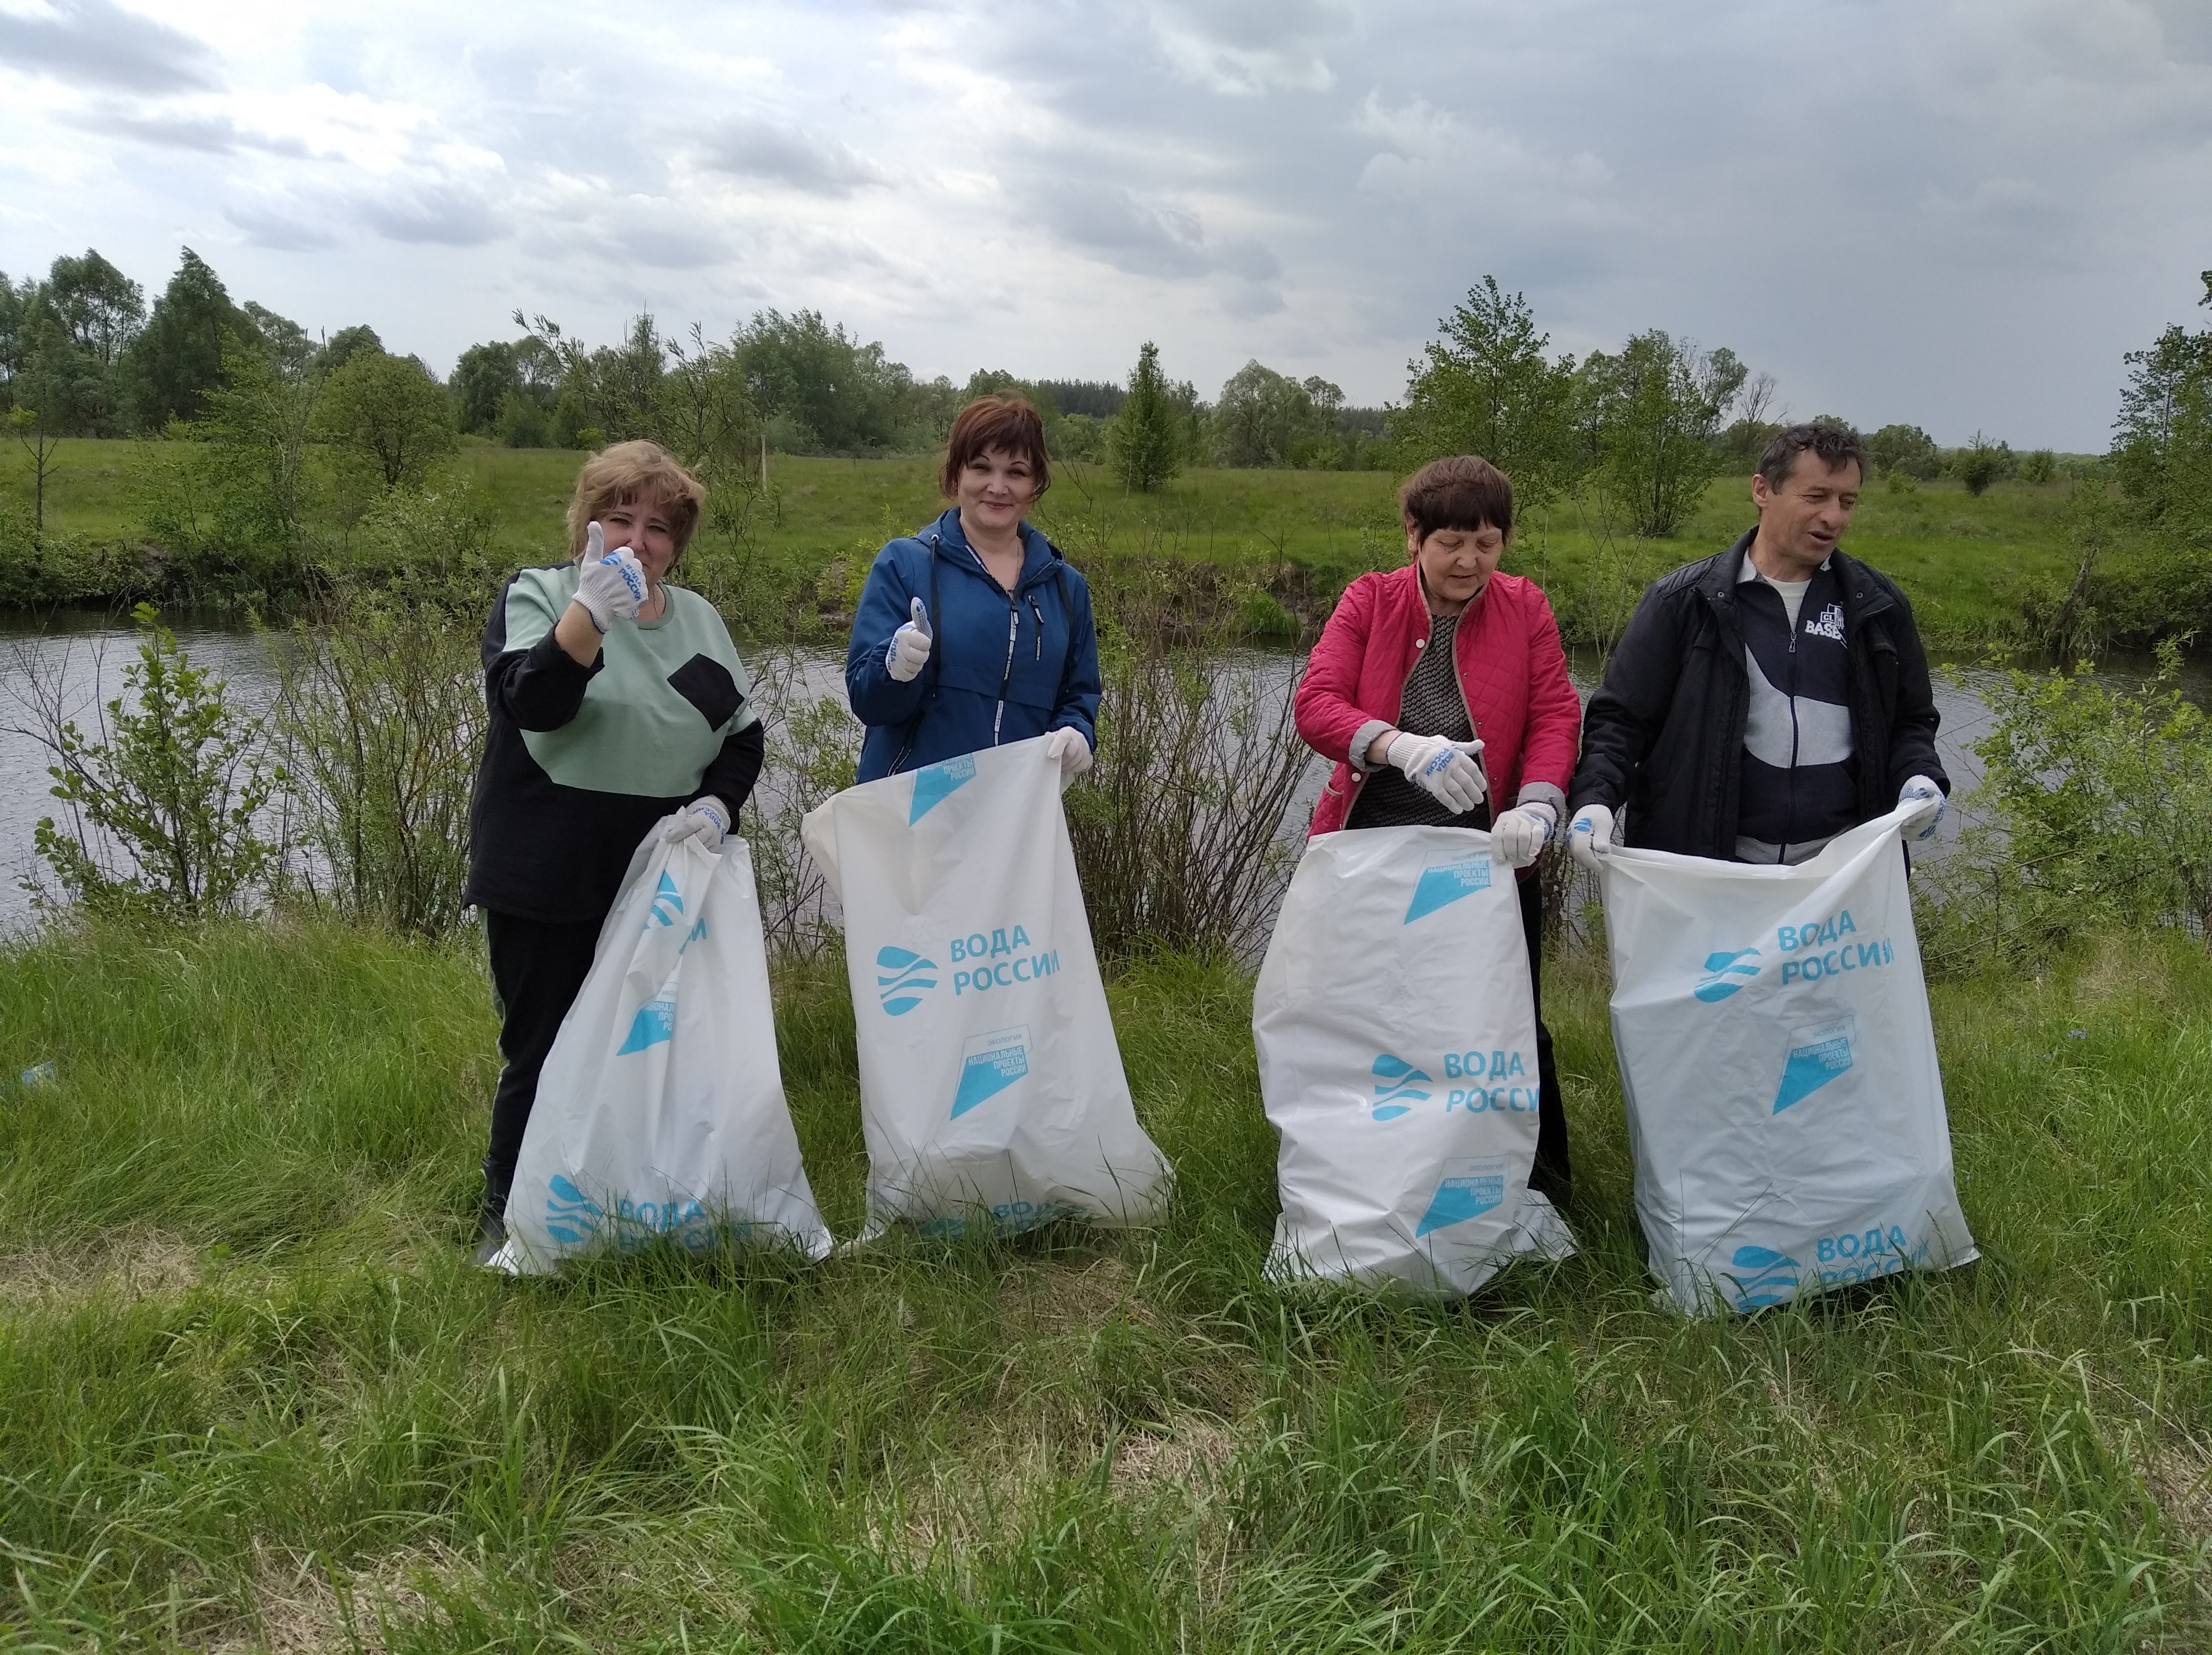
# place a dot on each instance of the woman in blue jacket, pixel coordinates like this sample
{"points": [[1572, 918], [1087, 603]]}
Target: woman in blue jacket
{"points": [[975, 631]]}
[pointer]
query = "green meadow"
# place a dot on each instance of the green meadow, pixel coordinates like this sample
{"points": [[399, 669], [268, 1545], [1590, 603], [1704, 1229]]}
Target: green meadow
{"points": [[1968, 563], [255, 1398]]}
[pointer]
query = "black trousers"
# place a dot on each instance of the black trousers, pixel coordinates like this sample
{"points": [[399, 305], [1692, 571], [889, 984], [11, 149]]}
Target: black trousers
{"points": [[536, 968], [1552, 1175]]}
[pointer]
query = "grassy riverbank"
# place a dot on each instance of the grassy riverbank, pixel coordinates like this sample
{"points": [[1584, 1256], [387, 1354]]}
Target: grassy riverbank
{"points": [[1969, 563], [254, 1398]]}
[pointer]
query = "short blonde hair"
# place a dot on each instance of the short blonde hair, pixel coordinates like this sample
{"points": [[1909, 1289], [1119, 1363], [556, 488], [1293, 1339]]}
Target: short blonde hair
{"points": [[638, 470]]}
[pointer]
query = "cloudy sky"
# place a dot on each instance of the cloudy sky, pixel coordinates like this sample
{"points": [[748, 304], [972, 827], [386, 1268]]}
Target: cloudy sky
{"points": [[1956, 213]]}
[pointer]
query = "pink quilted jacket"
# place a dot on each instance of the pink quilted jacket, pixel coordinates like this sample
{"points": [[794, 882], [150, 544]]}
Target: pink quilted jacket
{"points": [[1511, 670]]}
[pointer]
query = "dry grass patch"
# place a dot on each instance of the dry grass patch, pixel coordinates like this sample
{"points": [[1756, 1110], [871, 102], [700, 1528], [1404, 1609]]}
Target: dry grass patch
{"points": [[125, 1264]]}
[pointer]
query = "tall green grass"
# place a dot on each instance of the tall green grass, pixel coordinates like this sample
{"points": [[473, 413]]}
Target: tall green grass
{"points": [[1968, 562], [251, 1396]]}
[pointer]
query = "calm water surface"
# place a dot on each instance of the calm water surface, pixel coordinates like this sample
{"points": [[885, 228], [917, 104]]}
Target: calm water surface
{"points": [[86, 656]]}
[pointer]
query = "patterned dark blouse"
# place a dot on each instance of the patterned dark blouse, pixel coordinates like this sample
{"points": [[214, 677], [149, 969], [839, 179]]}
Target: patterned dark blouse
{"points": [[1431, 705]]}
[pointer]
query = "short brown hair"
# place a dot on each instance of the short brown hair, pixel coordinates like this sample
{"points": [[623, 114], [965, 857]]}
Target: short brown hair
{"points": [[639, 471], [1007, 423], [1835, 443], [1465, 491]]}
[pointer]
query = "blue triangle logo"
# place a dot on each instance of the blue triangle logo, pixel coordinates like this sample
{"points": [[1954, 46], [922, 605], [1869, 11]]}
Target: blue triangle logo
{"points": [[1440, 887], [935, 784], [992, 1062], [1817, 1057], [1466, 1191]]}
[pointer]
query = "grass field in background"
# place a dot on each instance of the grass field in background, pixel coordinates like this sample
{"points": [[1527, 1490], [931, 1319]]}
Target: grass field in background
{"points": [[255, 1397], [1966, 562]]}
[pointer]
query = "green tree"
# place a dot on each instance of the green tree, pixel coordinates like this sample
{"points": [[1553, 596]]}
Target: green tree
{"points": [[234, 503], [348, 343], [178, 358], [173, 782], [286, 344], [2162, 440], [45, 393], [1906, 449], [99, 311], [486, 375], [820, 387], [1655, 410], [1264, 418], [387, 415], [1981, 463], [1484, 387], [1148, 438]]}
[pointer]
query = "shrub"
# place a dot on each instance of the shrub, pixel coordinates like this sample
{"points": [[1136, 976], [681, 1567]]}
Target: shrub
{"points": [[380, 718], [163, 800], [2097, 812]]}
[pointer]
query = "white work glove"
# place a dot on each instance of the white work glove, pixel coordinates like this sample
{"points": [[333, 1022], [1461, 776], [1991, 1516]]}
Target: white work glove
{"points": [[1591, 836], [1921, 824], [1520, 834], [910, 650], [1447, 769], [706, 819], [1068, 746], [610, 585]]}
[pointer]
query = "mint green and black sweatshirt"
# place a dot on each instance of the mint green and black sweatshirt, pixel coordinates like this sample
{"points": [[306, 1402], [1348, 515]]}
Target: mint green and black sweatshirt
{"points": [[581, 761]]}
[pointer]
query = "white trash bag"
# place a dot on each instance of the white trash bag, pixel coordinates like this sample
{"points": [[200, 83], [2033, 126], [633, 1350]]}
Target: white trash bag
{"points": [[989, 1075], [660, 1110], [1397, 1044], [1780, 1067]]}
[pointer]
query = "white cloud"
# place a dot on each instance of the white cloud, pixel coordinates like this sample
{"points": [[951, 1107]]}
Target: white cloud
{"points": [[1959, 212]]}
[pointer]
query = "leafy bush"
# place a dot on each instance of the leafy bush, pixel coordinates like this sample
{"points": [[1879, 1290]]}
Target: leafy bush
{"points": [[2096, 813], [1981, 463], [163, 798]]}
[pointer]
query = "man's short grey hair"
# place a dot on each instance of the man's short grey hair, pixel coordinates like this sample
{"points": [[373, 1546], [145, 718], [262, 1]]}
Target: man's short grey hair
{"points": [[1833, 441]]}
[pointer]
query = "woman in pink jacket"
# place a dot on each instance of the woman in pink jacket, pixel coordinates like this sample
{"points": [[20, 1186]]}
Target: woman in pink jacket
{"points": [[1440, 688]]}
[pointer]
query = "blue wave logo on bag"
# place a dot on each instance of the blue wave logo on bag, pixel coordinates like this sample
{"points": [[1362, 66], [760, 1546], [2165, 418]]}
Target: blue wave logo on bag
{"points": [[655, 1022], [934, 783], [901, 991], [1397, 1076], [1444, 884], [667, 904], [1773, 1280], [1467, 1189], [572, 1218], [1818, 1054], [1723, 975], [989, 1063]]}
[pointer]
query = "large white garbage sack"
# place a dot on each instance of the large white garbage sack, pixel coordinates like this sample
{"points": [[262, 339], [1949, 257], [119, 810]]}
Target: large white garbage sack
{"points": [[989, 1076], [1397, 1042], [1779, 1066], [660, 1109]]}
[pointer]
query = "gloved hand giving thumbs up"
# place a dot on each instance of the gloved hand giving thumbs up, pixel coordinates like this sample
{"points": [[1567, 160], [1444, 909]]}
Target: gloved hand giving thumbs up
{"points": [[609, 585], [910, 650]]}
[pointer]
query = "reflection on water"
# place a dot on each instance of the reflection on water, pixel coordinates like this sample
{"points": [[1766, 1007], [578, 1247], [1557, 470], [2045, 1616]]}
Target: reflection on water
{"points": [[86, 656]]}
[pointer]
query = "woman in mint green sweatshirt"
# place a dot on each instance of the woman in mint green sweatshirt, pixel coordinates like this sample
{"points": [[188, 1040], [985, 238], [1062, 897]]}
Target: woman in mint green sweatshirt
{"points": [[617, 701]]}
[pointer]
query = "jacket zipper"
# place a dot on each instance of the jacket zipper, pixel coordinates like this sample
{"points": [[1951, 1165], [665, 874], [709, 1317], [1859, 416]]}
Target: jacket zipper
{"points": [[1007, 677], [1789, 821]]}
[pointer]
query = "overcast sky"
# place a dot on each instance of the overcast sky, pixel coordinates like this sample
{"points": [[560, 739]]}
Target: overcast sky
{"points": [[1955, 213]]}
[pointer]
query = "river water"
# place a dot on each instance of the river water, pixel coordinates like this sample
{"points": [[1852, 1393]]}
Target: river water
{"points": [[83, 658]]}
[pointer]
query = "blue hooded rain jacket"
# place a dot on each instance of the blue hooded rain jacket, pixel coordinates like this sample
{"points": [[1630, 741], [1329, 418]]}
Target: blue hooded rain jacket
{"points": [[1000, 668]]}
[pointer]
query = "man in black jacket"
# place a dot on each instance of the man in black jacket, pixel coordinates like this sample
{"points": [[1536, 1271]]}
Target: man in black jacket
{"points": [[1767, 697]]}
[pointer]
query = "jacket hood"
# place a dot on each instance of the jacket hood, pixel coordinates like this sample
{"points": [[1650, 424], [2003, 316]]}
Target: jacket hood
{"points": [[1038, 553]]}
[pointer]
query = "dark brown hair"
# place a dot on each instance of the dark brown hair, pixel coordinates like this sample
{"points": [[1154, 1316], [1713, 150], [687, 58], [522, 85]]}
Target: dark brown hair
{"points": [[1465, 491], [1007, 423], [1835, 442], [643, 473]]}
